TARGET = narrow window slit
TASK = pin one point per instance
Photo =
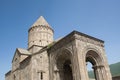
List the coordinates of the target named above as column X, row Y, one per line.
column 41, row 75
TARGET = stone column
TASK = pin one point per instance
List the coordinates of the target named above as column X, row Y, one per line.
column 80, row 68
column 103, row 72
column 58, row 72
column 99, row 74
column 56, row 75
column 96, row 72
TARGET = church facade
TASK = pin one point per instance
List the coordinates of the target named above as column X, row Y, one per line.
column 63, row 59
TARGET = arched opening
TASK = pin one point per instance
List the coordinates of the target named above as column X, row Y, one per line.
column 63, row 69
column 67, row 70
column 95, row 61
column 90, row 70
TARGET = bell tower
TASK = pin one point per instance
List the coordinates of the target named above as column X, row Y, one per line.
column 39, row 35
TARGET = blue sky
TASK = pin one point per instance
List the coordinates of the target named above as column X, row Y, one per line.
column 98, row 18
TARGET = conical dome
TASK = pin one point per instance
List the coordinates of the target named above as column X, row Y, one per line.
column 40, row 34
column 41, row 21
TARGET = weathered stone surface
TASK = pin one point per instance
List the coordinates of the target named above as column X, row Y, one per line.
column 64, row 59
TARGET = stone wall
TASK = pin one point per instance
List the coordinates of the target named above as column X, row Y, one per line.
column 25, row 69
column 40, row 66
column 81, row 47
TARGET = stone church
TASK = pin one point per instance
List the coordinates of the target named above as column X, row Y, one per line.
column 62, row 59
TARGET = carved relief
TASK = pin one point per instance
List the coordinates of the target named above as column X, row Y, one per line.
column 89, row 40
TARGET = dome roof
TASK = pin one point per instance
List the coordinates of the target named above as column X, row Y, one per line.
column 41, row 21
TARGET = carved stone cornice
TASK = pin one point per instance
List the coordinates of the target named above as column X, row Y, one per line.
column 90, row 39
column 76, row 35
column 41, row 26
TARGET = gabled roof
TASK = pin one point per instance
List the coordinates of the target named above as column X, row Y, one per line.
column 41, row 21
column 21, row 51
column 8, row 73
